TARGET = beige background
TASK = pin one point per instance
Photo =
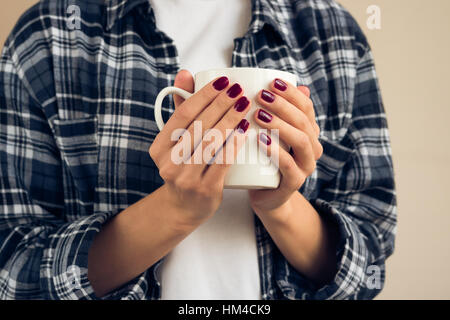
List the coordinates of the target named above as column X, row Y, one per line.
column 412, row 56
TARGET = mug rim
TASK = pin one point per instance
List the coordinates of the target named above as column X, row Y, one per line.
column 243, row 69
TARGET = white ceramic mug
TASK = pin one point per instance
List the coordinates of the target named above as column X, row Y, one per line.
column 252, row 169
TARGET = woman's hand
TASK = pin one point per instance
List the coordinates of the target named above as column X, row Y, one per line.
column 148, row 230
column 291, row 111
column 195, row 187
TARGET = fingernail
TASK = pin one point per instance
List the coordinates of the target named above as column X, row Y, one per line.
column 221, row 83
column 280, row 85
column 267, row 96
column 242, row 126
column 241, row 104
column 234, row 91
column 264, row 138
column 264, row 116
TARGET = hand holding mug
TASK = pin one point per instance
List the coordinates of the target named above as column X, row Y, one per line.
column 290, row 110
column 196, row 187
column 253, row 168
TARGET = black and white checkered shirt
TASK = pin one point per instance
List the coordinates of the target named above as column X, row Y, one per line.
column 76, row 124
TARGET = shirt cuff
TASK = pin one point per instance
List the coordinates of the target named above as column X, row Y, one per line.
column 352, row 257
column 64, row 264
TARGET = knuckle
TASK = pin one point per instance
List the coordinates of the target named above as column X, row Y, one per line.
column 302, row 122
column 222, row 102
column 319, row 151
column 311, row 168
column 209, row 149
column 232, row 120
column 167, row 173
column 208, row 92
column 297, row 182
column 317, row 128
column 309, row 105
column 153, row 151
column 302, row 140
column 287, row 166
column 217, row 188
column 205, row 192
column 183, row 113
column 222, row 99
column 187, row 185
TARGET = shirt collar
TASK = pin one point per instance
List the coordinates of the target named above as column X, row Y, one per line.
column 276, row 13
column 117, row 9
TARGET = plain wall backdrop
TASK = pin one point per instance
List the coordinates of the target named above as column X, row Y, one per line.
column 412, row 57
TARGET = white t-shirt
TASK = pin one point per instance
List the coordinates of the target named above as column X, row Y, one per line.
column 219, row 260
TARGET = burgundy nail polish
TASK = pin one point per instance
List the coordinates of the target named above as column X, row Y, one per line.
column 280, row 85
column 264, row 116
column 267, row 96
column 234, row 91
column 241, row 104
column 243, row 126
column 264, row 138
column 221, row 83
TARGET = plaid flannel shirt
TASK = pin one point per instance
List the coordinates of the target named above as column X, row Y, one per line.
column 76, row 124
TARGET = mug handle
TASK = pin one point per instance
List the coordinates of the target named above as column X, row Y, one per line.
column 159, row 99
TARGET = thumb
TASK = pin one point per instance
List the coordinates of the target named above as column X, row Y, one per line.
column 185, row 81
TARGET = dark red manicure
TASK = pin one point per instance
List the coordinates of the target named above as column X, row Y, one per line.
column 267, row 96
column 243, row 126
column 280, row 85
column 234, row 91
column 264, row 116
column 241, row 104
column 264, row 138
column 221, row 83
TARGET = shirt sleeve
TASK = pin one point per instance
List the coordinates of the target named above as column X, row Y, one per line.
column 42, row 255
column 360, row 200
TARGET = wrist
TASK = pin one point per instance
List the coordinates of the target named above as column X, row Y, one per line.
column 178, row 217
column 278, row 215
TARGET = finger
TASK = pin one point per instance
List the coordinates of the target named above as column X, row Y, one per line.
column 295, row 97
column 305, row 147
column 292, row 176
column 221, row 132
column 189, row 110
column 286, row 111
column 185, row 81
column 216, row 111
column 305, row 90
column 227, row 155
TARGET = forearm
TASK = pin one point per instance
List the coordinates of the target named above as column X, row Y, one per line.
column 303, row 237
column 133, row 241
